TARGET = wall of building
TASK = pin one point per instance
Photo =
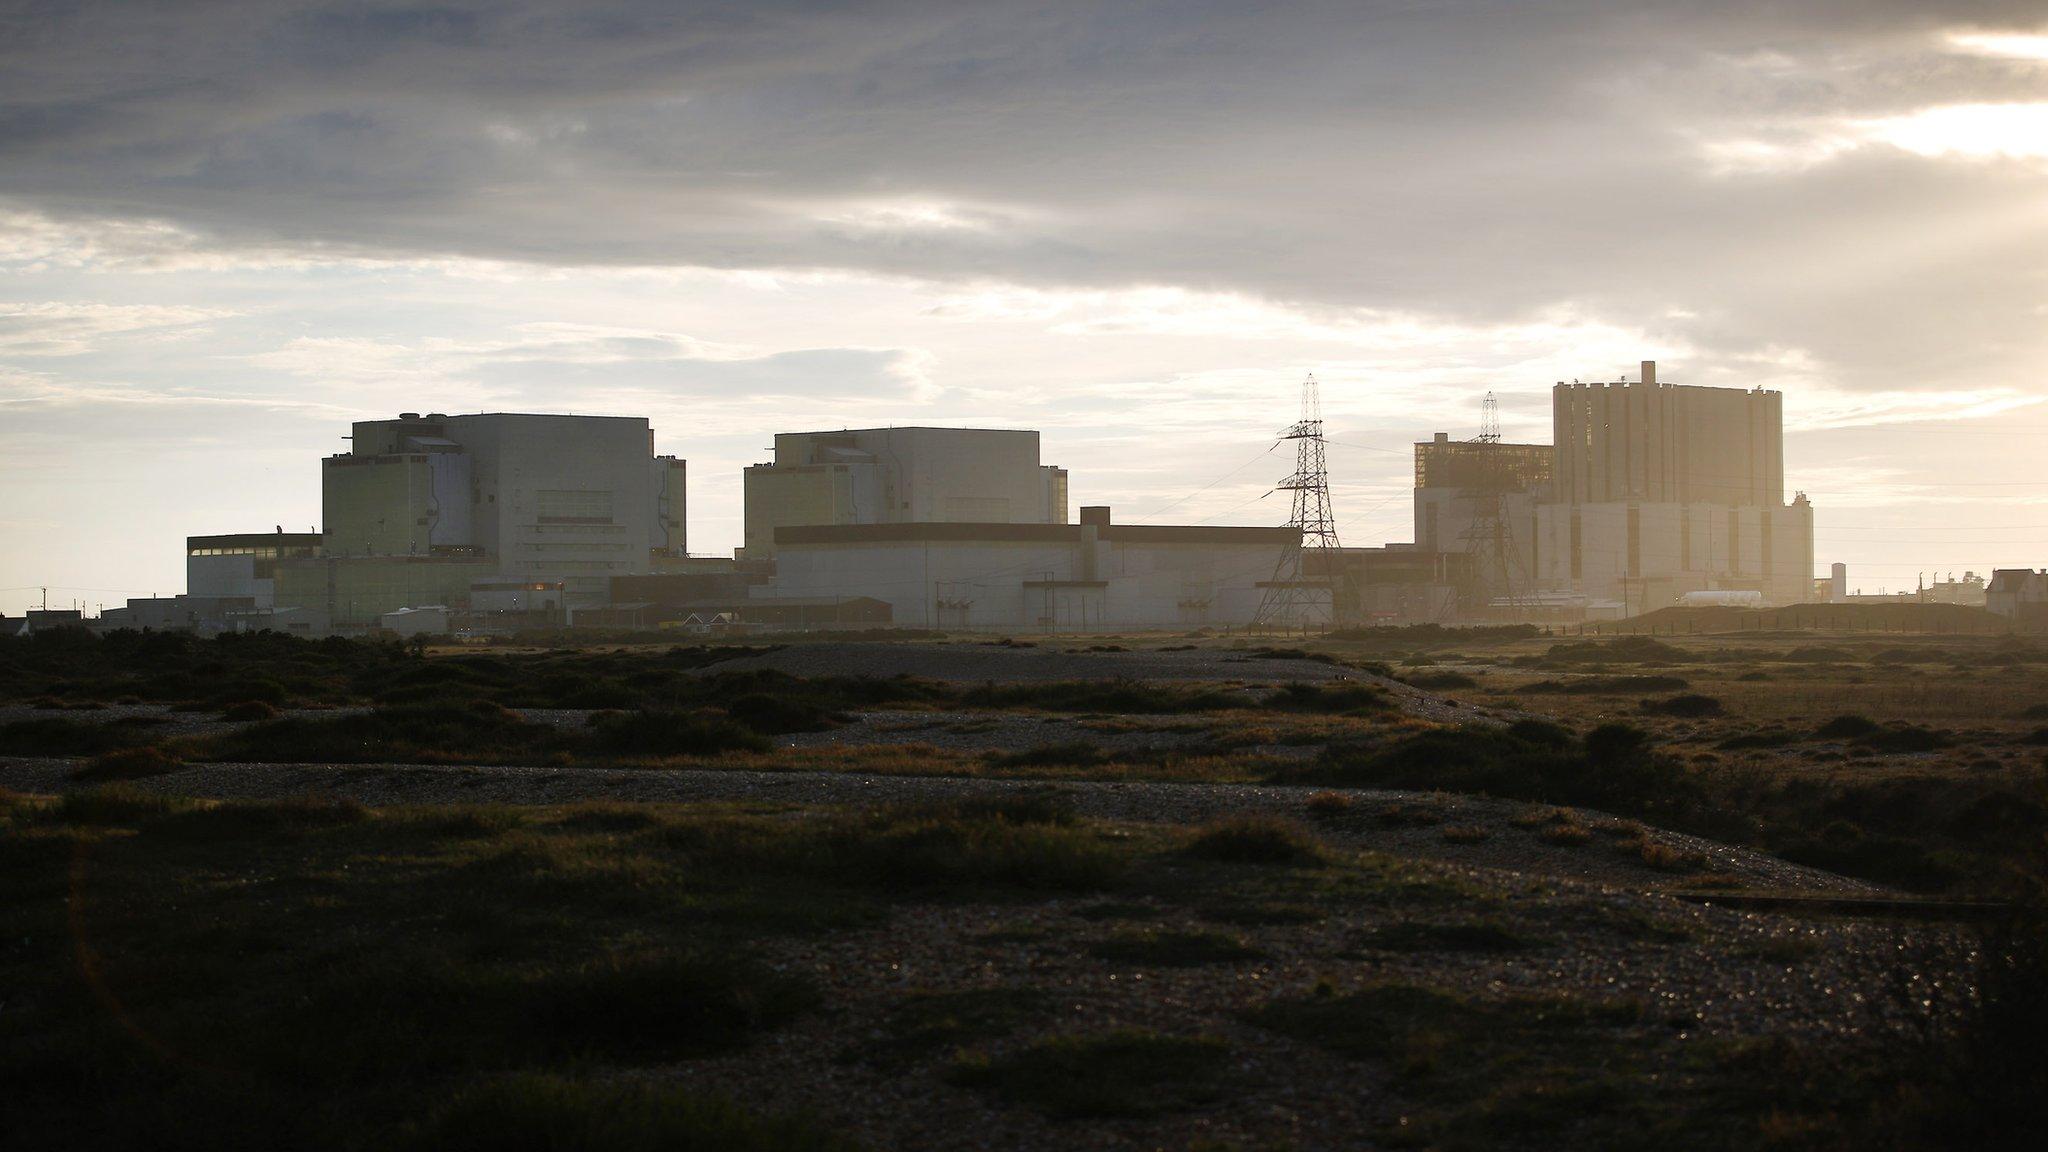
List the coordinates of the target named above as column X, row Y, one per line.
column 1648, row 555
column 577, row 499
column 345, row 594
column 377, row 505
column 244, row 564
column 1064, row 577
column 901, row 476
column 1661, row 443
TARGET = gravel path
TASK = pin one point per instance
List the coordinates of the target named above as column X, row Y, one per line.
column 1493, row 834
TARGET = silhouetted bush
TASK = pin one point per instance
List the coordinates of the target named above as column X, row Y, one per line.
column 1255, row 840
column 1340, row 698
column 1607, row 685
column 774, row 715
column 1847, row 728
column 1690, row 706
column 128, row 764
column 674, row 734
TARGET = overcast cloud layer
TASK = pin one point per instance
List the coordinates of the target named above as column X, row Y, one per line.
column 228, row 228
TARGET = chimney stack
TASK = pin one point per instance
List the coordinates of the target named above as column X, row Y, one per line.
column 1650, row 373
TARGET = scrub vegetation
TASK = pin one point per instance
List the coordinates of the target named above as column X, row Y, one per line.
column 314, row 972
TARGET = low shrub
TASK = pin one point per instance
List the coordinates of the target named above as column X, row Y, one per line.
column 1329, row 804
column 674, row 734
column 476, row 732
column 250, row 710
column 1690, row 706
column 1343, row 698
column 1434, row 680
column 776, row 715
column 1255, row 840
column 1529, row 760
column 128, row 764
column 1068, row 753
column 1131, row 696
column 661, row 1006
column 1847, row 728
column 62, row 736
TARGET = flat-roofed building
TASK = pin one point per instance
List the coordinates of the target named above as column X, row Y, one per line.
column 900, row 476
column 547, row 498
column 243, row 564
column 1659, row 490
column 1088, row 576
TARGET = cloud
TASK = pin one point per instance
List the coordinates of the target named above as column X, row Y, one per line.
column 68, row 329
column 1473, row 164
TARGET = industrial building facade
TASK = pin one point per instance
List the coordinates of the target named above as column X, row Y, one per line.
column 424, row 509
column 1660, row 490
column 1061, row 577
column 1649, row 493
column 900, row 476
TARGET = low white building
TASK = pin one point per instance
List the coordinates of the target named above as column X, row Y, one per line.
column 426, row 621
column 1090, row 576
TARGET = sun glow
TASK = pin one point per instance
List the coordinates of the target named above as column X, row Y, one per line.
column 1971, row 130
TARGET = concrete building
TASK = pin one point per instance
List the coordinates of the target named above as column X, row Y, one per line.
column 2018, row 594
column 899, row 476
column 243, row 564
column 1059, row 577
column 427, row 510
column 1659, row 490
column 1478, row 499
column 1667, row 444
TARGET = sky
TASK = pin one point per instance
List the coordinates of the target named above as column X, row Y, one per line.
column 229, row 228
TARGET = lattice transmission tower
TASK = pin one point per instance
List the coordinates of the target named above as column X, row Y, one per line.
column 1303, row 592
column 1490, row 539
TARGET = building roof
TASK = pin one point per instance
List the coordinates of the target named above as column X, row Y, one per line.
column 253, row 540
column 972, row 533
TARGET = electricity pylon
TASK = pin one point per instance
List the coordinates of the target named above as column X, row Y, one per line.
column 1490, row 539
column 1304, row 589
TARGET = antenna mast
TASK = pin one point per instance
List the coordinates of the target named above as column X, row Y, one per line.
column 1304, row 589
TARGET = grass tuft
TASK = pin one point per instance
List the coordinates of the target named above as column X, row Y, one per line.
column 1255, row 840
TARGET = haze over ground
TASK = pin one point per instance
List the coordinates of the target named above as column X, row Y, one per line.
column 228, row 229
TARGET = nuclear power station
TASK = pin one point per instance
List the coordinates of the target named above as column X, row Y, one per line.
column 1650, row 494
